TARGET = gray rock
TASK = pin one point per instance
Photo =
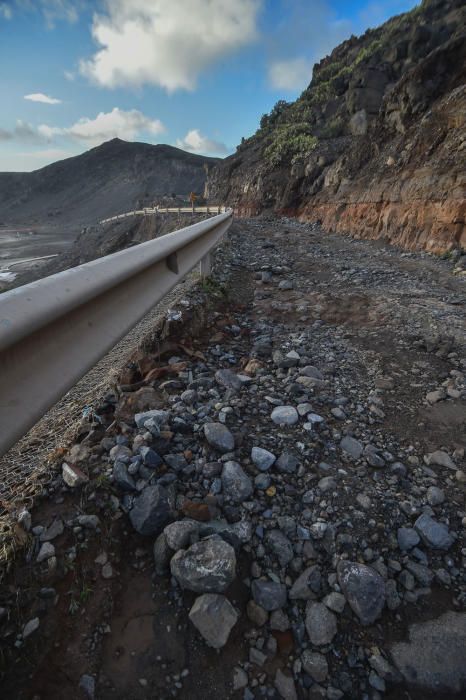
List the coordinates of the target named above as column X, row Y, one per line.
column 122, row 452
column 434, row 657
column 363, row 588
column 285, row 415
column 151, row 511
column 351, row 446
column 235, row 482
column 121, row 477
column 219, row 437
column 228, row 379
column 280, row 546
column 53, row 531
column 285, row 284
column 157, row 418
column 284, row 683
column 214, row 617
column 88, row 520
column 270, row 595
column 257, row 657
column 373, row 458
column 307, row 585
column 263, row 459
column 208, row 566
column 407, row 538
column 287, row 463
column 433, row 533
column 315, row 665
column 73, row 476
column 256, row 613
column 87, row 685
column 279, row 621
column 420, row 572
column 311, row 371
column 435, row 496
column 30, row 627
column 321, row 624
column 327, row 483
column 179, row 533
column 441, row 459
column 240, row 678
column 46, row 551
column 335, row 601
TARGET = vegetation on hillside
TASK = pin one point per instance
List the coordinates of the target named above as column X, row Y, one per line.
column 292, row 130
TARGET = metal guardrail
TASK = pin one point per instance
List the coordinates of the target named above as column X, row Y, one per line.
column 167, row 210
column 54, row 330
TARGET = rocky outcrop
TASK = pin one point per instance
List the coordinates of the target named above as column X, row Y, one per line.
column 375, row 145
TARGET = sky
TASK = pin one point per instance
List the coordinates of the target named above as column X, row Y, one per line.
column 197, row 74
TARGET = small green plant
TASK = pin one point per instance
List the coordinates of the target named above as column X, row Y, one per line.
column 78, row 598
column 213, row 288
column 333, row 128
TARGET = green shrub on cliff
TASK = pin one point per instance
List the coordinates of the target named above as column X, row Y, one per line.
column 287, row 142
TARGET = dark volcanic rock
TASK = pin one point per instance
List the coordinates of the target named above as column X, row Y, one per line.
column 151, row 511
column 363, row 588
column 208, row 566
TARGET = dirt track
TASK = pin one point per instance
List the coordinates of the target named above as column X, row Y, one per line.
column 384, row 330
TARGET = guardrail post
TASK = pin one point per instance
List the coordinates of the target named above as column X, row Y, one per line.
column 205, row 265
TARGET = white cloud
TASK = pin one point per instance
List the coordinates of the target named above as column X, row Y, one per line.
column 307, row 33
column 23, row 132
column 291, row 74
column 40, row 97
column 106, row 125
column 195, row 142
column 167, row 42
column 5, row 11
column 118, row 123
column 69, row 75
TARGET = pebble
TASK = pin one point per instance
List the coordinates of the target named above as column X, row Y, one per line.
column 285, row 415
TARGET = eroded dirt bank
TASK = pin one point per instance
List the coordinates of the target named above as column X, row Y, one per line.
column 302, row 463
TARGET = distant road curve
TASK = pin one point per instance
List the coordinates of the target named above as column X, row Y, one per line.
column 214, row 209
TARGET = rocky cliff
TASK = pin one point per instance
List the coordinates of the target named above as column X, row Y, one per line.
column 376, row 144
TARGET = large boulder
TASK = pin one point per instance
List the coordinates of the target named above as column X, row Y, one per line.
column 208, row 566
column 151, row 511
column 363, row 588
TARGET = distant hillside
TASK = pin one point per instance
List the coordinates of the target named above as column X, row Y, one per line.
column 114, row 177
column 376, row 144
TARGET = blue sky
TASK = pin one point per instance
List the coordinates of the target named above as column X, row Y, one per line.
column 193, row 73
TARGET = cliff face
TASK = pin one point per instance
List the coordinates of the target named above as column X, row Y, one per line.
column 376, row 145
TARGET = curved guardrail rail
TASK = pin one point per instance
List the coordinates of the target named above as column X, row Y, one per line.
column 54, row 330
column 167, row 210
